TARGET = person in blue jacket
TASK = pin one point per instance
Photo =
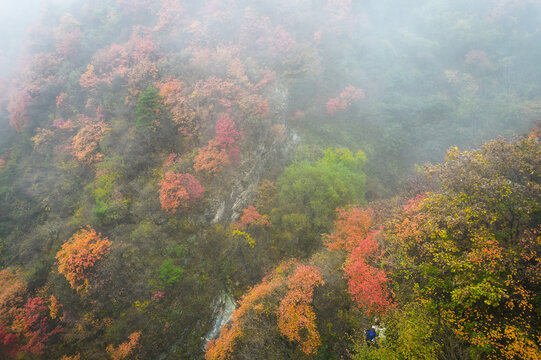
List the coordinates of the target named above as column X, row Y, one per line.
column 371, row 337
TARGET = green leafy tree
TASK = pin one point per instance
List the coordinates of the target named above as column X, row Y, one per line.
column 310, row 192
column 146, row 109
column 407, row 334
column 170, row 274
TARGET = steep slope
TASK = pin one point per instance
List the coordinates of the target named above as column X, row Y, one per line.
column 156, row 157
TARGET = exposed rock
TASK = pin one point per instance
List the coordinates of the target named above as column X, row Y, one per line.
column 268, row 155
column 223, row 310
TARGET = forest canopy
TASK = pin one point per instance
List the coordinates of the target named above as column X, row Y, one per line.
column 311, row 179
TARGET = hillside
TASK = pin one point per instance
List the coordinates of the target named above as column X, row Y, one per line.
column 267, row 180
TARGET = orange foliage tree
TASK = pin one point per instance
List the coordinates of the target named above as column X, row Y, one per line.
column 126, row 350
column 221, row 151
column 284, row 298
column 296, row 317
column 85, row 144
column 211, row 159
column 172, row 93
column 73, row 357
column 351, row 226
column 133, row 61
column 79, row 256
column 89, row 80
column 252, row 303
column 13, row 290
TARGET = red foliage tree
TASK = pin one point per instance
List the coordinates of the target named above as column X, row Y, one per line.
column 132, row 60
column 38, row 327
column 179, row 191
column 221, row 151
column 217, row 90
column 140, row 46
column 344, row 100
column 227, row 137
column 9, row 346
column 261, row 31
column 111, row 62
column 279, row 40
column 79, row 255
column 17, row 109
column 367, row 284
column 251, row 216
column 268, row 77
column 62, row 124
column 61, row 101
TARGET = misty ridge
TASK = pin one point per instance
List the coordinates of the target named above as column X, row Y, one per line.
column 309, row 179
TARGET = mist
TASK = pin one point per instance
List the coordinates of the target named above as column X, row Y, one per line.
column 271, row 179
column 16, row 19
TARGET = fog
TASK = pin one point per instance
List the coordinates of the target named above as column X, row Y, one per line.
column 201, row 145
column 16, row 19
column 405, row 55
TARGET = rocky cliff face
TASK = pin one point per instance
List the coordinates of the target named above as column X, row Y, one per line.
column 270, row 152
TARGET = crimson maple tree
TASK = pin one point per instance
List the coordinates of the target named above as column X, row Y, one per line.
column 367, row 283
column 38, row 327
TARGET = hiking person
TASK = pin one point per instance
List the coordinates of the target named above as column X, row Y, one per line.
column 371, row 337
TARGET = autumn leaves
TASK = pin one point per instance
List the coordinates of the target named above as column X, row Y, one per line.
column 79, row 255
column 284, row 299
